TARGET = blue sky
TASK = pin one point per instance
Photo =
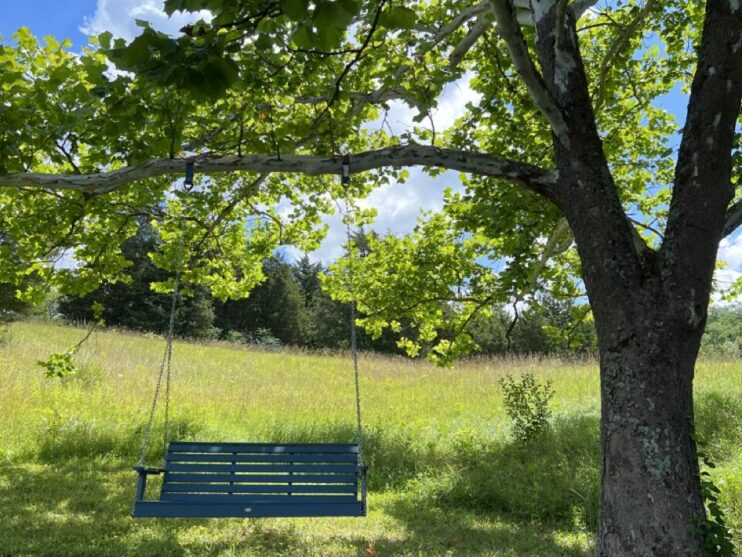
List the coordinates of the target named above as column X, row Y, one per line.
column 398, row 205
column 47, row 17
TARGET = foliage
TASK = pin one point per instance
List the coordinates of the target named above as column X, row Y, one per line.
column 263, row 337
column 723, row 335
column 132, row 303
column 60, row 364
column 249, row 73
column 527, row 403
column 716, row 535
column 279, row 78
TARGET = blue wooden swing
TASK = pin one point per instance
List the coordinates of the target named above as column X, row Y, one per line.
column 219, row 480
column 251, row 480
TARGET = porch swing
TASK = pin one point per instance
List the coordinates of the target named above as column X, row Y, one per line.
column 250, row 480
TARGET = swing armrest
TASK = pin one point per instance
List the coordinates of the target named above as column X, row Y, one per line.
column 362, row 475
column 148, row 470
column 142, row 473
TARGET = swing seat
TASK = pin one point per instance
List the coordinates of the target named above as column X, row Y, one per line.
column 244, row 480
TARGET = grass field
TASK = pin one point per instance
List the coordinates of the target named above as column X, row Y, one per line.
column 445, row 476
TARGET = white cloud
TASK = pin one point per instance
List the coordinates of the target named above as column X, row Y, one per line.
column 452, row 104
column 400, row 205
column 117, row 16
column 730, row 251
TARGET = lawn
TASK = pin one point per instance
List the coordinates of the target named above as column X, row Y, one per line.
column 445, row 476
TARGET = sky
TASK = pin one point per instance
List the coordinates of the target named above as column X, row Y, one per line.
column 398, row 205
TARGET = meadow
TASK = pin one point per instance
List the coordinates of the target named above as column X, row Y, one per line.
column 446, row 476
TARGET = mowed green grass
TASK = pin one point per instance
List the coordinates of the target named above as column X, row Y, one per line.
column 445, row 476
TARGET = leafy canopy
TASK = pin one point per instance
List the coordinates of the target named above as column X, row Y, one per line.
column 290, row 76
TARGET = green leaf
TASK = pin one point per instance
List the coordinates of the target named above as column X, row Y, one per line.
column 398, row 17
column 216, row 76
column 172, row 6
column 353, row 7
column 296, row 10
column 105, row 39
column 302, row 37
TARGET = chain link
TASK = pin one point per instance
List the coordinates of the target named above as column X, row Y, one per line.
column 354, row 342
column 165, row 364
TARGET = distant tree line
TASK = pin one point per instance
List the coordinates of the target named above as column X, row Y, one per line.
column 290, row 308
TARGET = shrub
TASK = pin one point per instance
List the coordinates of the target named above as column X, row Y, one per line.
column 233, row 336
column 527, row 405
column 263, row 337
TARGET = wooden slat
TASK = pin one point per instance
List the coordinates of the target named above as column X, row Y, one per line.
column 185, row 447
column 227, row 488
column 270, row 468
column 175, row 509
column 261, row 478
column 194, row 457
column 210, row 499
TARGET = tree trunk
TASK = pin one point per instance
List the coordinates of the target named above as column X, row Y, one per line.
column 649, row 305
column 650, row 488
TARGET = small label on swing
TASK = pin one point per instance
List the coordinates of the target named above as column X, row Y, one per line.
column 248, row 509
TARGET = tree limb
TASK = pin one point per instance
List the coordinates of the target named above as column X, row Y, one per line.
column 477, row 30
column 459, row 20
column 485, row 164
column 509, row 29
column 617, row 46
column 699, row 208
column 733, row 219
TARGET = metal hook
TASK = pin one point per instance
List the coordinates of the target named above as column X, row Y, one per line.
column 345, row 160
column 188, row 181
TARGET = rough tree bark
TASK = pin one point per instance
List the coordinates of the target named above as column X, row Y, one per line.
column 650, row 306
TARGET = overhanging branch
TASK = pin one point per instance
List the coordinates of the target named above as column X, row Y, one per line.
column 484, row 164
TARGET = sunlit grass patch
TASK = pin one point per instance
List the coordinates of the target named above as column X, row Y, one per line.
column 446, row 477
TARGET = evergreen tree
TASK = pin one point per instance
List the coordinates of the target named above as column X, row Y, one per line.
column 307, row 275
column 135, row 305
column 278, row 304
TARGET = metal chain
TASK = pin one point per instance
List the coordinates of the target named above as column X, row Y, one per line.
column 167, row 357
column 353, row 328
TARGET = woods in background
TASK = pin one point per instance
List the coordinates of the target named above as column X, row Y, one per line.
column 290, row 308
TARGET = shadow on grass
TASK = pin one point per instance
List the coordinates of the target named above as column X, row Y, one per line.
column 436, row 530
column 83, row 509
column 552, row 479
column 468, row 498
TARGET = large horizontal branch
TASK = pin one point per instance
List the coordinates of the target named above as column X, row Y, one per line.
column 483, row 164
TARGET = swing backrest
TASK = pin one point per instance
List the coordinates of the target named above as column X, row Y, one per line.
column 261, row 472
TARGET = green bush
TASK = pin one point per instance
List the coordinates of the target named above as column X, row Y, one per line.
column 527, row 404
